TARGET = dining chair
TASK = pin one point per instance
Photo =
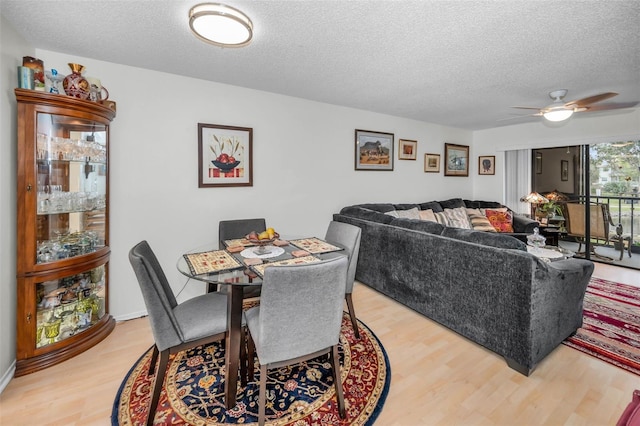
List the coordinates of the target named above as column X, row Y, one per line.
column 298, row 319
column 600, row 222
column 237, row 228
column 175, row 326
column 348, row 237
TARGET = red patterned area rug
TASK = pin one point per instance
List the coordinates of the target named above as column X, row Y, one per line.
column 296, row 396
column 611, row 324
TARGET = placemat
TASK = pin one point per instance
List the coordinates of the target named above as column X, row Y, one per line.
column 238, row 242
column 259, row 269
column 315, row 245
column 211, row 261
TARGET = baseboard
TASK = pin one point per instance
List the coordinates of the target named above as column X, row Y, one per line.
column 130, row 316
column 7, row 376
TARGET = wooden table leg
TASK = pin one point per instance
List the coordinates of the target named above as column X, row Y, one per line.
column 232, row 347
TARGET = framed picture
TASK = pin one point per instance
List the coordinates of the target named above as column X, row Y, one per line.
column 374, row 150
column 564, row 170
column 225, row 156
column 456, row 159
column 432, row 163
column 538, row 163
column 407, row 149
column 487, row 165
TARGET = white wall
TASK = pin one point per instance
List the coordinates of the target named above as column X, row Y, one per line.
column 581, row 129
column 12, row 49
column 303, row 166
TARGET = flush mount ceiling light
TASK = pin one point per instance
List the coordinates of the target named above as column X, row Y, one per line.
column 557, row 111
column 220, row 25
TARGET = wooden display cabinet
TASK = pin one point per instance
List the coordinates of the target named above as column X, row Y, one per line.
column 62, row 228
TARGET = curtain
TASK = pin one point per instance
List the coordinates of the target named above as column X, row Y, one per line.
column 517, row 179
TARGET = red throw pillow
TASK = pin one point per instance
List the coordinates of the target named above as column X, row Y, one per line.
column 501, row 221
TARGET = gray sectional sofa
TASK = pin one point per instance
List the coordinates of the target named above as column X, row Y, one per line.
column 484, row 286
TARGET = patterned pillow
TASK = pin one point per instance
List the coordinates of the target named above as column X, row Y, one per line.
column 409, row 214
column 501, row 221
column 479, row 221
column 441, row 218
column 427, row 215
column 458, row 218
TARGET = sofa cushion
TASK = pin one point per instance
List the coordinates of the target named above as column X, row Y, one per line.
column 418, row 225
column 485, row 238
column 441, row 218
column 379, row 207
column 458, row 218
column 473, row 204
column 479, row 221
column 431, row 205
column 366, row 214
column 501, row 221
column 427, row 215
column 409, row 213
column 406, row 206
column 452, row 203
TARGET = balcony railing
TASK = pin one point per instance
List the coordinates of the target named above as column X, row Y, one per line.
column 624, row 210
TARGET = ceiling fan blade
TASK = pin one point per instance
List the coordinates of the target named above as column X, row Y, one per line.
column 585, row 102
column 612, row 105
column 526, row 107
column 519, row 116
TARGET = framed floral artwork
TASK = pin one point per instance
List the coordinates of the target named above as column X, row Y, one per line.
column 225, row 156
column 456, row 159
column 407, row 149
column 432, row 163
column 374, row 150
column 487, row 165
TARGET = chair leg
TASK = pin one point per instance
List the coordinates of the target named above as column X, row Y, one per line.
column 157, row 386
column 154, row 359
column 262, row 397
column 335, row 366
column 243, row 356
column 251, row 356
column 352, row 314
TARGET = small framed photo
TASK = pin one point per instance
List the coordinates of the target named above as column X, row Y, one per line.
column 407, row 149
column 432, row 163
column 374, row 150
column 225, row 156
column 564, row 170
column 487, row 165
column 456, row 159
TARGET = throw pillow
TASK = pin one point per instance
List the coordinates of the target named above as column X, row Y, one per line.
column 441, row 218
column 409, row 214
column 392, row 213
column 497, row 209
column 458, row 218
column 501, row 221
column 427, row 215
column 479, row 221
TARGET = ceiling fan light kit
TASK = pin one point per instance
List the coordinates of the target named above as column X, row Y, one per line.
column 220, row 25
column 560, row 111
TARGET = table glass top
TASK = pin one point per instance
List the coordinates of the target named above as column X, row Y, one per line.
column 245, row 265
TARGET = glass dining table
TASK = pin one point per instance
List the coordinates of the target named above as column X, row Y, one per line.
column 241, row 264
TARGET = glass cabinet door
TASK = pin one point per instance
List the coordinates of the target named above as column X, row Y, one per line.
column 71, row 158
column 69, row 305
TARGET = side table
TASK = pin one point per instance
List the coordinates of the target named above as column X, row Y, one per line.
column 552, row 233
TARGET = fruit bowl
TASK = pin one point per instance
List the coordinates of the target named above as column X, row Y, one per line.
column 225, row 167
column 261, row 243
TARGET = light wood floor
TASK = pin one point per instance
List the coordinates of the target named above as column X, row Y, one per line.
column 438, row 377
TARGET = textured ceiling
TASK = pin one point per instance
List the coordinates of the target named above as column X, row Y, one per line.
column 455, row 63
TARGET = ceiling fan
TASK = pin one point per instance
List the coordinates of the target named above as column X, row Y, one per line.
column 559, row 110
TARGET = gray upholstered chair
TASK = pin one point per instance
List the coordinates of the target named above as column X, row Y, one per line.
column 298, row 319
column 347, row 236
column 175, row 327
column 238, row 228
